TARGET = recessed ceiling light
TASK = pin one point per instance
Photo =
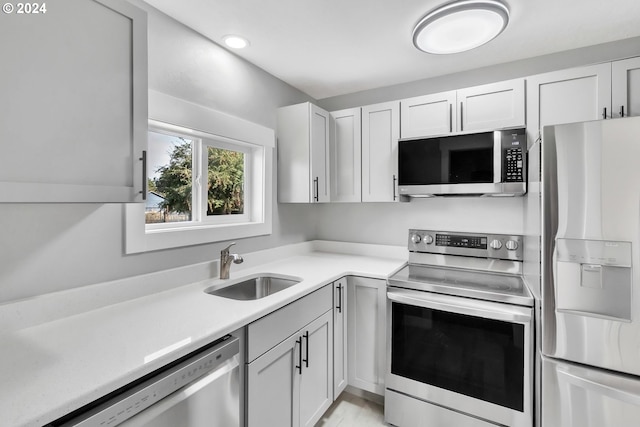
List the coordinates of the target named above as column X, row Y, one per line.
column 460, row 26
column 235, row 42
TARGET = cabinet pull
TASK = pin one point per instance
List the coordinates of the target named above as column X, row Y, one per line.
column 339, row 307
column 306, row 359
column 622, row 111
column 461, row 117
column 299, row 365
column 143, row 159
column 316, row 189
column 604, row 113
column 394, row 187
column 450, row 117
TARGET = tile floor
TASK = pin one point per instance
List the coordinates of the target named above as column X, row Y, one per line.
column 352, row 411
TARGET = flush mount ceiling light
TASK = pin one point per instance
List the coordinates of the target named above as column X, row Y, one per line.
column 235, row 42
column 460, row 26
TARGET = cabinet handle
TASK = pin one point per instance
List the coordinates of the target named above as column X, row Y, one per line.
column 306, row 359
column 604, row 113
column 299, row 365
column 143, row 159
column 316, row 189
column 461, row 117
column 622, row 111
column 339, row 307
column 450, row 117
column 394, row 187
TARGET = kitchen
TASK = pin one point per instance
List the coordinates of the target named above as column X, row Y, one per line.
column 61, row 247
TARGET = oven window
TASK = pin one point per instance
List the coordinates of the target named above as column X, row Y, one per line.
column 477, row 357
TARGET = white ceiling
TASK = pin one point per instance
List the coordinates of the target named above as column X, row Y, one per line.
column 333, row 47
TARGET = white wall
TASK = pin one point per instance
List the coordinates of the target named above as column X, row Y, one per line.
column 46, row 248
column 388, row 223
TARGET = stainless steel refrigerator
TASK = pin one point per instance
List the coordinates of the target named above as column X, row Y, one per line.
column 591, row 274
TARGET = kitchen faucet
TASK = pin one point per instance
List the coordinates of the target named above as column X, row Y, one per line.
column 225, row 261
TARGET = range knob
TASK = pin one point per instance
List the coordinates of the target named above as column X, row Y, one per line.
column 427, row 239
column 512, row 245
column 495, row 244
column 415, row 238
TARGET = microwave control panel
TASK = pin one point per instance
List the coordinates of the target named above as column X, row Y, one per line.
column 513, row 148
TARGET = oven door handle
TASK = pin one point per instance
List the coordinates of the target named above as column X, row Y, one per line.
column 465, row 306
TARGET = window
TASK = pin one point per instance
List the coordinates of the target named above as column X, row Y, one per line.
column 195, row 180
column 203, row 185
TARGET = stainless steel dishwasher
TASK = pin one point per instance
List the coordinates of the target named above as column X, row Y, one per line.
column 201, row 389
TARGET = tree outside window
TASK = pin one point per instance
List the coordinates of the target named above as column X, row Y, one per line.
column 172, row 194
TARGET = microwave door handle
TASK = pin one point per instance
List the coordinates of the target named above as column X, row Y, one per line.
column 497, row 157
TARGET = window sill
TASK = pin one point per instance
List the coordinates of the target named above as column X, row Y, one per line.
column 138, row 239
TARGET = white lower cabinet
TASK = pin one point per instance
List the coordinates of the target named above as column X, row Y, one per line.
column 273, row 396
column 366, row 318
column 316, row 374
column 340, row 342
column 291, row 384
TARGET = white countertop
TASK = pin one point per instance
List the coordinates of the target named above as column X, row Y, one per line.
column 52, row 368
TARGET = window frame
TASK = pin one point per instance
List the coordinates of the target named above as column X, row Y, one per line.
column 198, row 122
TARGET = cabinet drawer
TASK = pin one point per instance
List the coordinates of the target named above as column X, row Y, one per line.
column 265, row 333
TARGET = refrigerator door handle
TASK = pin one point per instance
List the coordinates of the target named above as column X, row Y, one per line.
column 632, row 398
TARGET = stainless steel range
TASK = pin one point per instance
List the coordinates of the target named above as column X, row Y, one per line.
column 460, row 333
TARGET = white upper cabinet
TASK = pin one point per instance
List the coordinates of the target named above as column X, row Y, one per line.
column 303, row 154
column 346, row 154
column 625, row 97
column 487, row 107
column 567, row 96
column 492, row 106
column 380, row 134
column 428, row 115
column 73, row 121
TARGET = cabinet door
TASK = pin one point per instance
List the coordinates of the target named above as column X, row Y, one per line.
column 380, row 133
column 273, row 390
column 320, row 175
column 345, row 149
column 428, row 115
column 303, row 154
column 316, row 380
column 73, row 121
column 492, row 106
column 567, row 96
column 340, row 375
column 625, row 76
column 366, row 317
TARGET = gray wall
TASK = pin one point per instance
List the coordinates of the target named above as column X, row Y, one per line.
column 511, row 70
column 387, row 223
column 45, row 248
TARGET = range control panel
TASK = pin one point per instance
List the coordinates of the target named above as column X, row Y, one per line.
column 499, row 246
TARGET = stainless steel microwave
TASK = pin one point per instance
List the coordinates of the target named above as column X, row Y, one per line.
column 480, row 164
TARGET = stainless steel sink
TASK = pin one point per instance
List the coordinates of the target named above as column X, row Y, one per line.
column 253, row 287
